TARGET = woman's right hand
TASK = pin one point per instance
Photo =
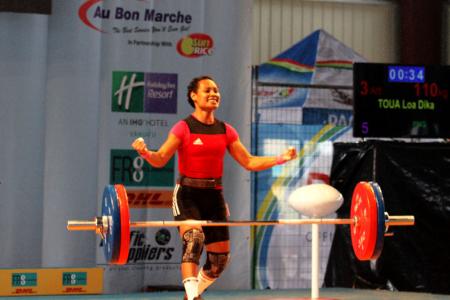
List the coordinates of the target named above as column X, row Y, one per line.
column 139, row 145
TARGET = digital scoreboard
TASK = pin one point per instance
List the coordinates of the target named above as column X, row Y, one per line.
column 401, row 101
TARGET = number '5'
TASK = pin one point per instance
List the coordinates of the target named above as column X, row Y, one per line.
column 365, row 127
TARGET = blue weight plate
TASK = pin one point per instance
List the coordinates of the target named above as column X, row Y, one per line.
column 111, row 209
column 380, row 221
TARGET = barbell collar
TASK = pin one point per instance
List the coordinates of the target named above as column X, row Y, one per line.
column 83, row 225
column 399, row 220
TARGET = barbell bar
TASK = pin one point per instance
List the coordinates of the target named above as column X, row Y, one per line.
column 368, row 221
column 80, row 225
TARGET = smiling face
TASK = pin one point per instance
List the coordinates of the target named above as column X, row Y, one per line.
column 207, row 96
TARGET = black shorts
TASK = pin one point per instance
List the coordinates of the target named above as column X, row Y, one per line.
column 202, row 204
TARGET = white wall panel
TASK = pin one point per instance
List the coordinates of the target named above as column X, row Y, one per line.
column 369, row 27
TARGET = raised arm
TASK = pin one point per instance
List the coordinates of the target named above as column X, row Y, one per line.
column 158, row 158
column 258, row 163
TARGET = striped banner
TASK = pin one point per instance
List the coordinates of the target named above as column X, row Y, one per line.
column 268, row 208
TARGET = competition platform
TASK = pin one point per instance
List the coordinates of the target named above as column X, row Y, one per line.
column 325, row 294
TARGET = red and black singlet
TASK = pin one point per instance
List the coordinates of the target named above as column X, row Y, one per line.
column 203, row 146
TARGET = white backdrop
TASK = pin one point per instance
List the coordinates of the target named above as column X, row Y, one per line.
column 58, row 126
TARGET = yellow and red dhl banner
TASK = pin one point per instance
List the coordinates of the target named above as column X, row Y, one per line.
column 145, row 198
column 58, row 281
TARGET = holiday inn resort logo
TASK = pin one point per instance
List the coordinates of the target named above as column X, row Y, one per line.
column 144, row 92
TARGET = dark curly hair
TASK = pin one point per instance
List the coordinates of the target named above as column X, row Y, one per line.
column 193, row 86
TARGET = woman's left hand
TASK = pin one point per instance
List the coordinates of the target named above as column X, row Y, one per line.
column 289, row 154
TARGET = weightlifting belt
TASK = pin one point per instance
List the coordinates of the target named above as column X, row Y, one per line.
column 203, row 183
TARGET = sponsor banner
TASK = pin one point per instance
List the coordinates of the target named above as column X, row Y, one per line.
column 142, row 104
column 168, row 28
column 154, row 260
column 26, row 6
column 152, row 50
column 147, row 187
column 154, row 246
column 61, row 281
column 130, row 169
column 149, row 198
column 129, row 65
column 144, row 92
column 107, row 17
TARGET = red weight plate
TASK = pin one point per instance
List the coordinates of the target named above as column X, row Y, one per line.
column 124, row 224
column 364, row 211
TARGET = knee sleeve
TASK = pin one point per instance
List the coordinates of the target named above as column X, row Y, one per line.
column 215, row 264
column 192, row 245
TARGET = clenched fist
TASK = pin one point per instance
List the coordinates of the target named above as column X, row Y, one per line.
column 290, row 154
column 139, row 145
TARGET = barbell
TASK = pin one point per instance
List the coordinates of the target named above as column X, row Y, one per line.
column 368, row 221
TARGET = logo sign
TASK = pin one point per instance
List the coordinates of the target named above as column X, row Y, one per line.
column 93, row 13
column 162, row 237
column 24, row 279
column 51, row 281
column 195, row 45
column 144, row 92
column 142, row 250
column 130, row 169
column 74, row 278
column 150, row 198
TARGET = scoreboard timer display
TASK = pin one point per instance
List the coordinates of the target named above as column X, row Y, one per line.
column 401, row 101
